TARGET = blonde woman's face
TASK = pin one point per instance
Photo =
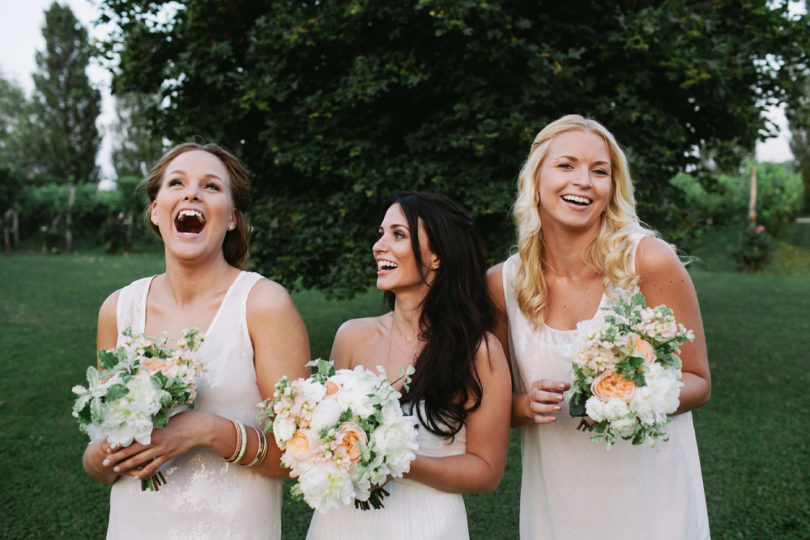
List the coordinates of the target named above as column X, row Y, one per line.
column 574, row 181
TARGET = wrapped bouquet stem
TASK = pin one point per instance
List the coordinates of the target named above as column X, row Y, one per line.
column 342, row 434
column 136, row 388
column 626, row 374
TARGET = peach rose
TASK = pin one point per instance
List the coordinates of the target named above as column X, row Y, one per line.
column 331, row 388
column 348, row 437
column 640, row 347
column 156, row 364
column 612, row 385
column 302, row 444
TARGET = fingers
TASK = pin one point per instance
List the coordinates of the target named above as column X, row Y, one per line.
column 546, row 397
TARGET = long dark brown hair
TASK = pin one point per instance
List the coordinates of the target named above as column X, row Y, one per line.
column 456, row 312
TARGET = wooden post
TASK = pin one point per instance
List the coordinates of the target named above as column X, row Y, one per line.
column 68, row 224
column 752, row 200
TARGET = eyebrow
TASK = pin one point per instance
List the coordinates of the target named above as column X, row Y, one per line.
column 574, row 158
column 395, row 225
column 184, row 173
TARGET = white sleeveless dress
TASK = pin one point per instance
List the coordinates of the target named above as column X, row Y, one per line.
column 571, row 488
column 204, row 496
column 412, row 511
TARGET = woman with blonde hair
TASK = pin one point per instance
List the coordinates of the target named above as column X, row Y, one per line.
column 223, row 474
column 578, row 238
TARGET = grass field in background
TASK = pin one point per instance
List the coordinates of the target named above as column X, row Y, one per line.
column 753, row 437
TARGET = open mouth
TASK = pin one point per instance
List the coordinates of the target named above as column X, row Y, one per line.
column 189, row 222
column 385, row 266
column 576, row 199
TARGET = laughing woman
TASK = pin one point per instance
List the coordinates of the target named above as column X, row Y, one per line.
column 253, row 336
column 579, row 237
column 430, row 265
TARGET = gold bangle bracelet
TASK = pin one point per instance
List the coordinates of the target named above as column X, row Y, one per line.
column 261, row 451
column 238, row 443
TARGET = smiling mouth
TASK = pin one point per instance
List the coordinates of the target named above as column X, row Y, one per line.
column 575, row 199
column 385, row 266
column 189, row 222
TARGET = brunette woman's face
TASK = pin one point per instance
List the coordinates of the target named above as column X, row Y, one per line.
column 194, row 208
column 574, row 181
column 397, row 268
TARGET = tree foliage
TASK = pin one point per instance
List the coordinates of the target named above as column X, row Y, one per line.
column 66, row 106
column 334, row 105
column 798, row 115
column 137, row 146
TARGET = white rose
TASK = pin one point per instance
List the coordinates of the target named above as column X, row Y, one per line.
column 325, row 415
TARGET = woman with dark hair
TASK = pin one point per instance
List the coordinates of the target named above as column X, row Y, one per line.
column 222, row 473
column 430, row 264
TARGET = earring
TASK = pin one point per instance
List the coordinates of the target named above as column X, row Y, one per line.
column 231, row 227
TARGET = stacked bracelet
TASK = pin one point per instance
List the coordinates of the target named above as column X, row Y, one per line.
column 241, row 442
column 261, row 452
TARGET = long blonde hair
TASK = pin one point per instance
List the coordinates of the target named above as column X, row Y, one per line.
column 610, row 253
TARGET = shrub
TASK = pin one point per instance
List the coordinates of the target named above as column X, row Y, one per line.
column 755, row 248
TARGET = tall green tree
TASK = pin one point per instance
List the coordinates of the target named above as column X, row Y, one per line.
column 66, row 105
column 137, row 146
column 798, row 115
column 14, row 109
column 336, row 104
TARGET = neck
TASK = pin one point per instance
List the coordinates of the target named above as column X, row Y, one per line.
column 188, row 281
column 565, row 249
column 406, row 315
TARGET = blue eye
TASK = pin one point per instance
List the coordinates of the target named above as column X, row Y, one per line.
column 174, row 182
column 213, row 186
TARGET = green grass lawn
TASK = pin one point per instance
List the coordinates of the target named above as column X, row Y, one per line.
column 753, row 435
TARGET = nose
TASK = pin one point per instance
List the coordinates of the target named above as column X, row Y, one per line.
column 583, row 177
column 192, row 192
column 379, row 245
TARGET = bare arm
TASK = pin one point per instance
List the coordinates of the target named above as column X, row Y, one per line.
column 280, row 347
column 664, row 280
column 481, row 467
column 540, row 404
column 106, row 338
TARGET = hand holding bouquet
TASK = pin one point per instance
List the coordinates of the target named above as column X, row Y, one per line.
column 341, row 433
column 626, row 375
column 136, row 388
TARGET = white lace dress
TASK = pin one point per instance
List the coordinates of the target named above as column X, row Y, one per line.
column 204, row 497
column 412, row 511
column 572, row 488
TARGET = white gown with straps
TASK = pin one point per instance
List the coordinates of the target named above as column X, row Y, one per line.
column 412, row 510
column 572, row 488
column 204, row 496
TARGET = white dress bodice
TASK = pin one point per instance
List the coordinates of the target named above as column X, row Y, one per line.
column 412, row 510
column 204, row 497
column 572, row 488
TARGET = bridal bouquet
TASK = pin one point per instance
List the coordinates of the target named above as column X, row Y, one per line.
column 342, row 433
column 136, row 388
column 626, row 373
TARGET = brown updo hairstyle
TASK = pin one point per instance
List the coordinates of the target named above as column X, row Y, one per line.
column 235, row 245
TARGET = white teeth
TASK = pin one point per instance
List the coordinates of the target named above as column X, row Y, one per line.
column 576, row 199
column 386, row 265
column 193, row 213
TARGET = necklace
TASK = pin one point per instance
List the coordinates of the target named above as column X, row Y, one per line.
column 411, row 353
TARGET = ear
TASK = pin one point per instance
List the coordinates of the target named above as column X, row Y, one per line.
column 233, row 221
column 434, row 262
column 153, row 217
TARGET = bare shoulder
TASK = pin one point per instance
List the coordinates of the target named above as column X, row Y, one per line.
column 654, row 257
column 107, row 330
column 361, row 329
column 268, row 297
column 495, row 285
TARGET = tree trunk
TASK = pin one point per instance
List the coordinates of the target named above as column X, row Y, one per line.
column 68, row 232
column 752, row 200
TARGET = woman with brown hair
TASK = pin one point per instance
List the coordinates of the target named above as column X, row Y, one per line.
column 223, row 474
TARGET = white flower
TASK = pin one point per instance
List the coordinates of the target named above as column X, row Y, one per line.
column 283, row 428
column 610, row 410
column 326, row 487
column 325, row 415
column 660, row 397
